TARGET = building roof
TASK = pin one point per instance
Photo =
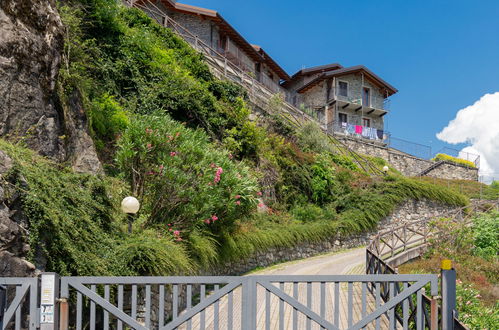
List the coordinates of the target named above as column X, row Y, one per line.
column 349, row 70
column 317, row 69
column 258, row 55
column 313, row 70
column 271, row 63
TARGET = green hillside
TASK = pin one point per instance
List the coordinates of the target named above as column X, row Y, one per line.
column 181, row 141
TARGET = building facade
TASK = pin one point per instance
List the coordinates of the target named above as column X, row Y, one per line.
column 350, row 101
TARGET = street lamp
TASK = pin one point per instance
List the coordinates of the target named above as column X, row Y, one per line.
column 130, row 205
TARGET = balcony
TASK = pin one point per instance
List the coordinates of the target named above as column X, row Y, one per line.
column 376, row 105
column 358, row 132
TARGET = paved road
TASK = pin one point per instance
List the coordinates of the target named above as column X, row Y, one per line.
column 345, row 262
column 337, row 263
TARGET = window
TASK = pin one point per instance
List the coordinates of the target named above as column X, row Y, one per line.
column 343, row 117
column 366, row 97
column 342, row 88
column 366, row 122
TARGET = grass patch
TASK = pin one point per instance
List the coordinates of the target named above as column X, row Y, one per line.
column 455, row 160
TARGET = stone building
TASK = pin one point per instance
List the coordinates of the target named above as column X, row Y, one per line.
column 349, row 102
column 215, row 32
column 347, row 99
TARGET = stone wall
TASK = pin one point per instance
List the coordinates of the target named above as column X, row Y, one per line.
column 355, row 85
column 411, row 210
column 453, row 171
column 410, row 165
column 414, row 210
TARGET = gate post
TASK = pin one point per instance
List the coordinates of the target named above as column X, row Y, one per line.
column 49, row 293
column 3, row 303
column 448, row 294
column 248, row 321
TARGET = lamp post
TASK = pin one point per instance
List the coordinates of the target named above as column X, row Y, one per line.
column 130, row 205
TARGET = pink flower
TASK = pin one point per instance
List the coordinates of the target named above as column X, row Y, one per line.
column 151, row 173
column 238, row 202
column 261, row 205
column 468, row 302
column 176, row 233
column 207, row 221
column 478, row 295
column 179, row 239
column 214, row 218
column 237, row 196
column 149, row 131
column 230, row 156
column 212, row 165
column 259, row 193
column 218, row 174
column 173, row 153
column 170, row 137
column 149, row 146
column 169, row 225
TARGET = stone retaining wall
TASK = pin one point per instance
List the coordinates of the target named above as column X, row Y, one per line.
column 411, row 210
column 410, row 165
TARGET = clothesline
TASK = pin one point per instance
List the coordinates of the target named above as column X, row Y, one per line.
column 364, row 131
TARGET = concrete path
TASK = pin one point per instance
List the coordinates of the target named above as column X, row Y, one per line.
column 338, row 263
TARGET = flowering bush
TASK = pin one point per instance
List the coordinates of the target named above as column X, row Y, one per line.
column 182, row 179
column 471, row 310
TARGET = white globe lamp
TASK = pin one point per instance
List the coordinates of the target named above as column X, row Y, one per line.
column 130, row 206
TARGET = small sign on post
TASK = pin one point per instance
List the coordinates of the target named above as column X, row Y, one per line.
column 48, row 301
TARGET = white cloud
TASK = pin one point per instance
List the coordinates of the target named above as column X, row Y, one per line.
column 478, row 125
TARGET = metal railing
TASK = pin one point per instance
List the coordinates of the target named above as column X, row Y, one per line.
column 412, row 148
column 474, row 158
column 375, row 101
column 349, row 129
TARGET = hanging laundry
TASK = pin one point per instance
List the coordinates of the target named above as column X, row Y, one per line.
column 351, row 129
column 358, row 129
column 365, row 131
column 343, row 125
column 372, row 134
column 379, row 133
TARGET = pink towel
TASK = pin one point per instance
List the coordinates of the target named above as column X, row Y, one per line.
column 358, row 129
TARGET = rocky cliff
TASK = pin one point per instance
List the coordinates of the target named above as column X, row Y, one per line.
column 31, row 44
column 13, row 228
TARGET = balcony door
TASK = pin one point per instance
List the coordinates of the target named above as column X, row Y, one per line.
column 366, row 97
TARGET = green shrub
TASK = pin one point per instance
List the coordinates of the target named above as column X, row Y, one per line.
column 148, row 254
column 323, row 184
column 472, row 312
column 486, row 235
column 311, row 138
column 181, row 178
column 455, row 160
column 73, row 218
column 107, row 117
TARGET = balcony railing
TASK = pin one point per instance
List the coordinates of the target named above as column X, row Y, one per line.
column 358, row 131
column 375, row 101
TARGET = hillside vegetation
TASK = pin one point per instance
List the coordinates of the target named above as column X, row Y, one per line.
column 214, row 185
column 474, row 251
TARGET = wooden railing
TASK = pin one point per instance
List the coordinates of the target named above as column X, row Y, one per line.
column 259, row 94
column 391, row 248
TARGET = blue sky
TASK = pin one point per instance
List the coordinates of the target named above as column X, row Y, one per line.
column 441, row 55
